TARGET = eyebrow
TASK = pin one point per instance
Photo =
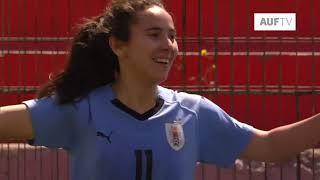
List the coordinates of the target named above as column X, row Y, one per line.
column 159, row 29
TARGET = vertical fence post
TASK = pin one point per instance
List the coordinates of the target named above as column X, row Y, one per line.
column 298, row 158
column 232, row 69
column 184, row 28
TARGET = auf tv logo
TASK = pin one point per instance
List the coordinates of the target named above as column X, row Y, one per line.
column 274, row 21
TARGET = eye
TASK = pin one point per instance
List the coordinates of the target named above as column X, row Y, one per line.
column 154, row 35
column 172, row 37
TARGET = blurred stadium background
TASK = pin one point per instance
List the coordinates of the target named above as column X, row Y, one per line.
column 265, row 79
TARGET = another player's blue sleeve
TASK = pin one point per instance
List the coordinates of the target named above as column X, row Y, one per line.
column 221, row 137
column 52, row 123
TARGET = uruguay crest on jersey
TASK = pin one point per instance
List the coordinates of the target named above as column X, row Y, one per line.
column 175, row 135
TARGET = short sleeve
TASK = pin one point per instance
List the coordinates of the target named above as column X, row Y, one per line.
column 52, row 123
column 222, row 138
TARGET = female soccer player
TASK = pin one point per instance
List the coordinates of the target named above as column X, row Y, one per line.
column 109, row 112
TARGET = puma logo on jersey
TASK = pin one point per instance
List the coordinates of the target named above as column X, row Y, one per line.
column 108, row 137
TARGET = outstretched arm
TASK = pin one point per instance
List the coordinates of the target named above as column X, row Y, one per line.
column 15, row 123
column 283, row 142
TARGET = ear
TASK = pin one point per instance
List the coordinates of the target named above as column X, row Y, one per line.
column 117, row 46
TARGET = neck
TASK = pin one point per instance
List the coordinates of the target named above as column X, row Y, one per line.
column 137, row 95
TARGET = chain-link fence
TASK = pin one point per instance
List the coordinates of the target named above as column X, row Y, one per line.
column 262, row 78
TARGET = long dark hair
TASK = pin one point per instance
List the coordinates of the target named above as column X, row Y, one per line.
column 91, row 61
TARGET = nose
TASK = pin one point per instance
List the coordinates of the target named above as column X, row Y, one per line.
column 167, row 43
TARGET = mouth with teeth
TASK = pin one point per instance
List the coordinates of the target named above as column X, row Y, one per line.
column 162, row 60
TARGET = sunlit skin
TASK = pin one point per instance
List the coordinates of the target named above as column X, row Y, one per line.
column 152, row 37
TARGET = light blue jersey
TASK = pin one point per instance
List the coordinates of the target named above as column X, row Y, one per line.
column 108, row 141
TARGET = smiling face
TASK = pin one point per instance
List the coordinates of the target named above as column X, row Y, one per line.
column 152, row 47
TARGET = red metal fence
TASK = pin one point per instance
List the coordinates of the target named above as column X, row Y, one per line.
column 265, row 79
